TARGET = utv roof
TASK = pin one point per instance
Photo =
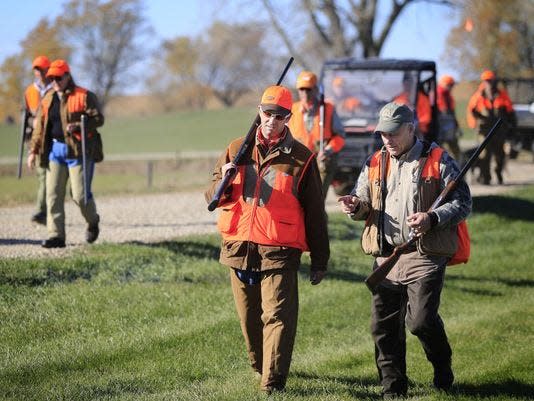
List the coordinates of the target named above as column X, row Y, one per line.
column 351, row 63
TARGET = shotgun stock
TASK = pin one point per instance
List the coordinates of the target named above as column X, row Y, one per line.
column 24, row 122
column 380, row 273
column 249, row 140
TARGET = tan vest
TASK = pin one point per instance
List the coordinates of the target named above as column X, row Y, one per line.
column 438, row 241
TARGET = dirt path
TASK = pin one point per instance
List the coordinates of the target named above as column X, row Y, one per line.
column 152, row 218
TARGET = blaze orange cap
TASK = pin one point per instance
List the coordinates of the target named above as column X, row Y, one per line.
column 41, row 62
column 277, row 99
column 306, row 79
column 487, row 75
column 446, row 80
column 58, row 68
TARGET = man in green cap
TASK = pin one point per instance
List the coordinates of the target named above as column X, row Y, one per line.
column 396, row 187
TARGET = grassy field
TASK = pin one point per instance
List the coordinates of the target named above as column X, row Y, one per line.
column 157, row 321
column 209, row 130
column 173, row 132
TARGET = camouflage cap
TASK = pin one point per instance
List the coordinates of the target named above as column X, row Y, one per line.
column 392, row 116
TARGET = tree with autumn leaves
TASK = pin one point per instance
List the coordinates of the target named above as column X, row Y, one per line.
column 493, row 34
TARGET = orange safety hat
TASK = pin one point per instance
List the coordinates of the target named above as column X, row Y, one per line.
column 338, row 81
column 306, row 79
column 277, row 99
column 446, row 80
column 58, row 68
column 487, row 75
column 41, row 62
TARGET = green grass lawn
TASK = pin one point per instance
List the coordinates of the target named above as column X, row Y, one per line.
column 173, row 132
column 157, row 321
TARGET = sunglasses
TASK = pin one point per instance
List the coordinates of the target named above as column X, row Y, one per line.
column 57, row 79
column 305, row 89
column 268, row 114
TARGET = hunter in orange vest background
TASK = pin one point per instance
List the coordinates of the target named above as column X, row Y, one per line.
column 56, row 143
column 395, row 190
column 307, row 123
column 449, row 129
column 32, row 101
column 345, row 104
column 486, row 106
column 422, row 108
column 271, row 213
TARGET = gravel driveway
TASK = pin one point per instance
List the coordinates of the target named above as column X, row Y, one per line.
column 152, row 218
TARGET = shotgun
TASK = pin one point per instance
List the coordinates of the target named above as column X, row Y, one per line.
column 321, row 125
column 380, row 273
column 84, row 158
column 249, row 140
column 24, row 125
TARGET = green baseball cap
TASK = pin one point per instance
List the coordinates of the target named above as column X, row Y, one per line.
column 392, row 116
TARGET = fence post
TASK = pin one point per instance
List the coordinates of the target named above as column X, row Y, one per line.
column 149, row 173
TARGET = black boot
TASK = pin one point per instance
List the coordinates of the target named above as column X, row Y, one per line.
column 443, row 377
column 54, row 242
column 92, row 233
column 39, row 218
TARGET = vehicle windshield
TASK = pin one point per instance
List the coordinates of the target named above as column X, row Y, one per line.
column 360, row 94
column 521, row 92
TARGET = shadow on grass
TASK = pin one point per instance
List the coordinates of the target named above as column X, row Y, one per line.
column 504, row 206
column 509, row 388
column 515, row 283
column 196, row 250
column 47, row 276
column 334, row 274
column 356, row 386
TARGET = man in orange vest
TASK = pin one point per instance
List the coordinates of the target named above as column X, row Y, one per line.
column 395, row 190
column 56, row 140
column 271, row 213
column 32, row 100
column 423, row 109
column 486, row 106
column 305, row 125
column 448, row 124
column 346, row 105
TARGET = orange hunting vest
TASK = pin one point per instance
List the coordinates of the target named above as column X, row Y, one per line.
column 436, row 241
column 264, row 208
column 480, row 102
column 32, row 97
column 311, row 139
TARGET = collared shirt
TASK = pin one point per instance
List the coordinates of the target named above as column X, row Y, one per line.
column 42, row 88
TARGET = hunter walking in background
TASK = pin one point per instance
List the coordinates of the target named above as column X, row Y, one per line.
column 486, row 106
column 395, row 189
column 57, row 141
column 33, row 95
column 271, row 213
column 449, row 129
column 315, row 123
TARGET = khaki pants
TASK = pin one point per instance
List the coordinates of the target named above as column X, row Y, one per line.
column 268, row 314
column 56, row 184
column 40, row 206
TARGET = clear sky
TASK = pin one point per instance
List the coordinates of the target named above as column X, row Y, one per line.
column 420, row 32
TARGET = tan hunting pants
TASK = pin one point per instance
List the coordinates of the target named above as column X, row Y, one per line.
column 268, row 314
